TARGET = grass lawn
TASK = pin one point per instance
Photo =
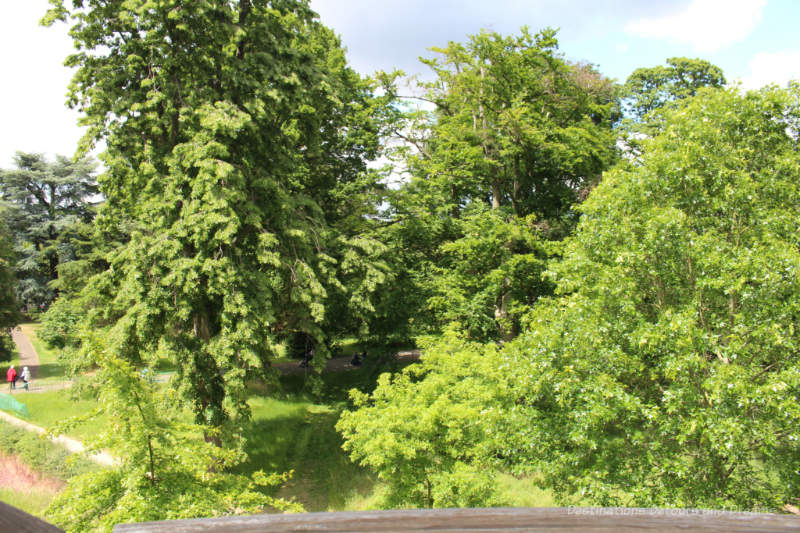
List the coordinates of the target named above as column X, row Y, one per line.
column 33, row 501
column 48, row 409
column 292, row 428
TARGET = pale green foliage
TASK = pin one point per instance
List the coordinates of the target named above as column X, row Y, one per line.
column 425, row 431
column 667, row 374
column 166, row 470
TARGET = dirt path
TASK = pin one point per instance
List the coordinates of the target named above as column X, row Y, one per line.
column 27, row 353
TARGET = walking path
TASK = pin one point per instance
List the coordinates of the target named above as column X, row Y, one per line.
column 27, row 353
column 29, row 357
column 74, row 446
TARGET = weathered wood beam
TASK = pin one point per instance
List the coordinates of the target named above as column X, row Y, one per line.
column 12, row 520
column 563, row 520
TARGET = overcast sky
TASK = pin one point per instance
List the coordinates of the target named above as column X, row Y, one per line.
column 755, row 41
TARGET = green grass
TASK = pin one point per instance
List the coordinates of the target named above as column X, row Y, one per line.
column 522, row 492
column 300, row 436
column 292, row 428
column 51, row 408
column 33, row 501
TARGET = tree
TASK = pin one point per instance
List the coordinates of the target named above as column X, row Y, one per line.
column 648, row 89
column 667, row 372
column 163, row 471
column 91, row 244
column 9, row 308
column 431, row 452
column 517, row 133
column 237, row 139
column 44, row 200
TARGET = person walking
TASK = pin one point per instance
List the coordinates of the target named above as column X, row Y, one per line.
column 11, row 375
column 26, row 376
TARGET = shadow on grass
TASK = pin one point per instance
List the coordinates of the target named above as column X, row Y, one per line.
column 49, row 370
column 334, row 387
column 307, row 442
column 293, row 428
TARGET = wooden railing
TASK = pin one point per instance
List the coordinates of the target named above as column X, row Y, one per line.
column 12, row 520
column 563, row 520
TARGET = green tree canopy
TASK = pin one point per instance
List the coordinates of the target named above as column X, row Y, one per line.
column 237, row 139
column 667, row 373
column 516, row 134
column 9, row 307
column 44, row 199
column 650, row 88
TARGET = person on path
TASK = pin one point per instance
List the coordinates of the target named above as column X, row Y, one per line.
column 11, row 375
column 26, row 376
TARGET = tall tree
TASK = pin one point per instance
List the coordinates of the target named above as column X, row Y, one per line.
column 668, row 374
column 9, row 307
column 667, row 370
column 237, row 139
column 516, row 134
column 44, row 199
column 651, row 88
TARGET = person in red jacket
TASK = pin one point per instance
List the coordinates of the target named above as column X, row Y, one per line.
column 12, row 378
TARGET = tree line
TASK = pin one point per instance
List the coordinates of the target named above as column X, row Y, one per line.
column 603, row 276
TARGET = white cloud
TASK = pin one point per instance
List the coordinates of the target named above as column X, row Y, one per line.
column 706, row 25
column 772, row 67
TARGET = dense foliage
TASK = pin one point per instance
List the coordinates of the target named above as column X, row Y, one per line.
column 517, row 133
column 627, row 336
column 237, row 146
column 669, row 371
column 665, row 373
column 165, row 470
column 649, row 89
column 44, row 200
column 9, row 307
column 425, row 430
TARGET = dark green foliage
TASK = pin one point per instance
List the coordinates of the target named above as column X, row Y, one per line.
column 7, row 347
column 9, row 306
column 43, row 200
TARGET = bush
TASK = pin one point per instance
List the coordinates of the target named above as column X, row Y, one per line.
column 59, row 324
column 42, row 455
column 7, row 348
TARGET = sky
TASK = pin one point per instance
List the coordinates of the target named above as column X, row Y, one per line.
column 754, row 41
